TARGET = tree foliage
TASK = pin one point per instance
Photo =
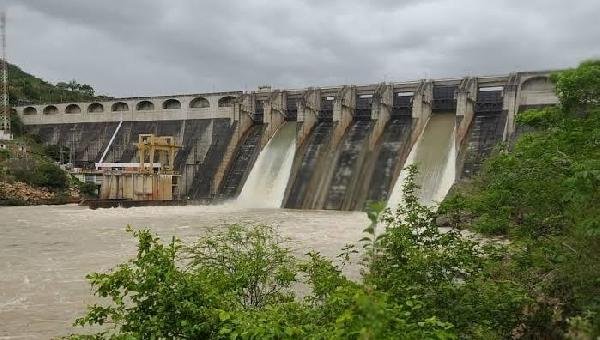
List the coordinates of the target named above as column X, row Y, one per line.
column 542, row 193
column 25, row 89
column 579, row 88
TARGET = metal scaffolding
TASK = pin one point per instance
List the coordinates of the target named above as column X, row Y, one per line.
column 5, row 109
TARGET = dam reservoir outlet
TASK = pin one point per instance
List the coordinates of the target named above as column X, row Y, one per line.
column 434, row 153
column 266, row 183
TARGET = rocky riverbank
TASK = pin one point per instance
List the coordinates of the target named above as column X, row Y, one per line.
column 20, row 193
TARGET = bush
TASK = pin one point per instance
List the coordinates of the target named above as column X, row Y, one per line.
column 88, row 189
column 56, row 152
column 50, row 176
column 41, row 174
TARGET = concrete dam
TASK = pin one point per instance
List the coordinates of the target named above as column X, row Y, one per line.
column 333, row 148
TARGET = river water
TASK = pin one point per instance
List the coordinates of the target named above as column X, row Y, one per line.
column 46, row 251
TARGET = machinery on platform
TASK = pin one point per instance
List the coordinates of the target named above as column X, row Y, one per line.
column 151, row 180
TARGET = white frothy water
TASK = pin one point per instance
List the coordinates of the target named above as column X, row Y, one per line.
column 266, row 183
column 434, row 153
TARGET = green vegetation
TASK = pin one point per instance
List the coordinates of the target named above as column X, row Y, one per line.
column 26, row 160
column 37, row 166
column 543, row 195
column 38, row 173
column 25, row 89
column 418, row 281
column 238, row 283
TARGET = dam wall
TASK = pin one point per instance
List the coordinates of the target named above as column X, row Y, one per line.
column 351, row 141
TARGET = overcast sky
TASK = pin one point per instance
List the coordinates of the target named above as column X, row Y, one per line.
column 154, row 47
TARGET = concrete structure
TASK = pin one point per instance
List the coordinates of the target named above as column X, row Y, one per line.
column 521, row 89
column 179, row 107
column 216, row 129
column 136, row 186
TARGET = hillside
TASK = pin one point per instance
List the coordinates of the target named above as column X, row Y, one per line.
column 25, row 88
column 28, row 170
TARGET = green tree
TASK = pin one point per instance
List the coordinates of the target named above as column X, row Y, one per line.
column 541, row 193
column 579, row 88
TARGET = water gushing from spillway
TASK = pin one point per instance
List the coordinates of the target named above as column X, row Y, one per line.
column 434, row 153
column 266, row 183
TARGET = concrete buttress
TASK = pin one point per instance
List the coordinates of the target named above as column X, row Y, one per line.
column 466, row 97
column 343, row 111
column 383, row 101
column 421, row 107
column 274, row 114
column 244, row 107
column 308, row 109
column 510, row 103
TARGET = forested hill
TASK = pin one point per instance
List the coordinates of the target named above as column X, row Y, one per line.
column 25, row 88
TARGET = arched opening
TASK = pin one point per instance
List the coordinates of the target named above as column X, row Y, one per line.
column 95, row 108
column 171, row 104
column 144, row 106
column 72, row 108
column 199, row 103
column 50, row 110
column 226, row 101
column 120, row 106
column 30, row 110
column 539, row 83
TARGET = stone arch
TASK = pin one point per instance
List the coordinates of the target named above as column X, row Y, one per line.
column 30, row 110
column 119, row 106
column 95, row 108
column 145, row 105
column 50, row 110
column 171, row 104
column 227, row 101
column 537, row 83
column 72, row 108
column 199, row 103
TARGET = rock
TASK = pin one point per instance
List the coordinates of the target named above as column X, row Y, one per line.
column 442, row 221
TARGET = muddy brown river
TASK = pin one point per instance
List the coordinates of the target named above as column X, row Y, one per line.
column 46, row 251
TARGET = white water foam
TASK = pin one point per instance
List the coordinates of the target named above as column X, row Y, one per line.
column 267, row 181
column 434, row 153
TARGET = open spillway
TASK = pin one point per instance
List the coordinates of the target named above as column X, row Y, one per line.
column 434, row 155
column 266, row 183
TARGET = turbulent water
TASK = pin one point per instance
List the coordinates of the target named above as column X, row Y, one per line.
column 46, row 251
column 434, row 154
column 266, row 183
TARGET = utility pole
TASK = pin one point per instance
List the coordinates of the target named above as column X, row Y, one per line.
column 5, row 109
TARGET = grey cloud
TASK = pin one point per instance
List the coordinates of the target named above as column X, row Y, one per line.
column 143, row 47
